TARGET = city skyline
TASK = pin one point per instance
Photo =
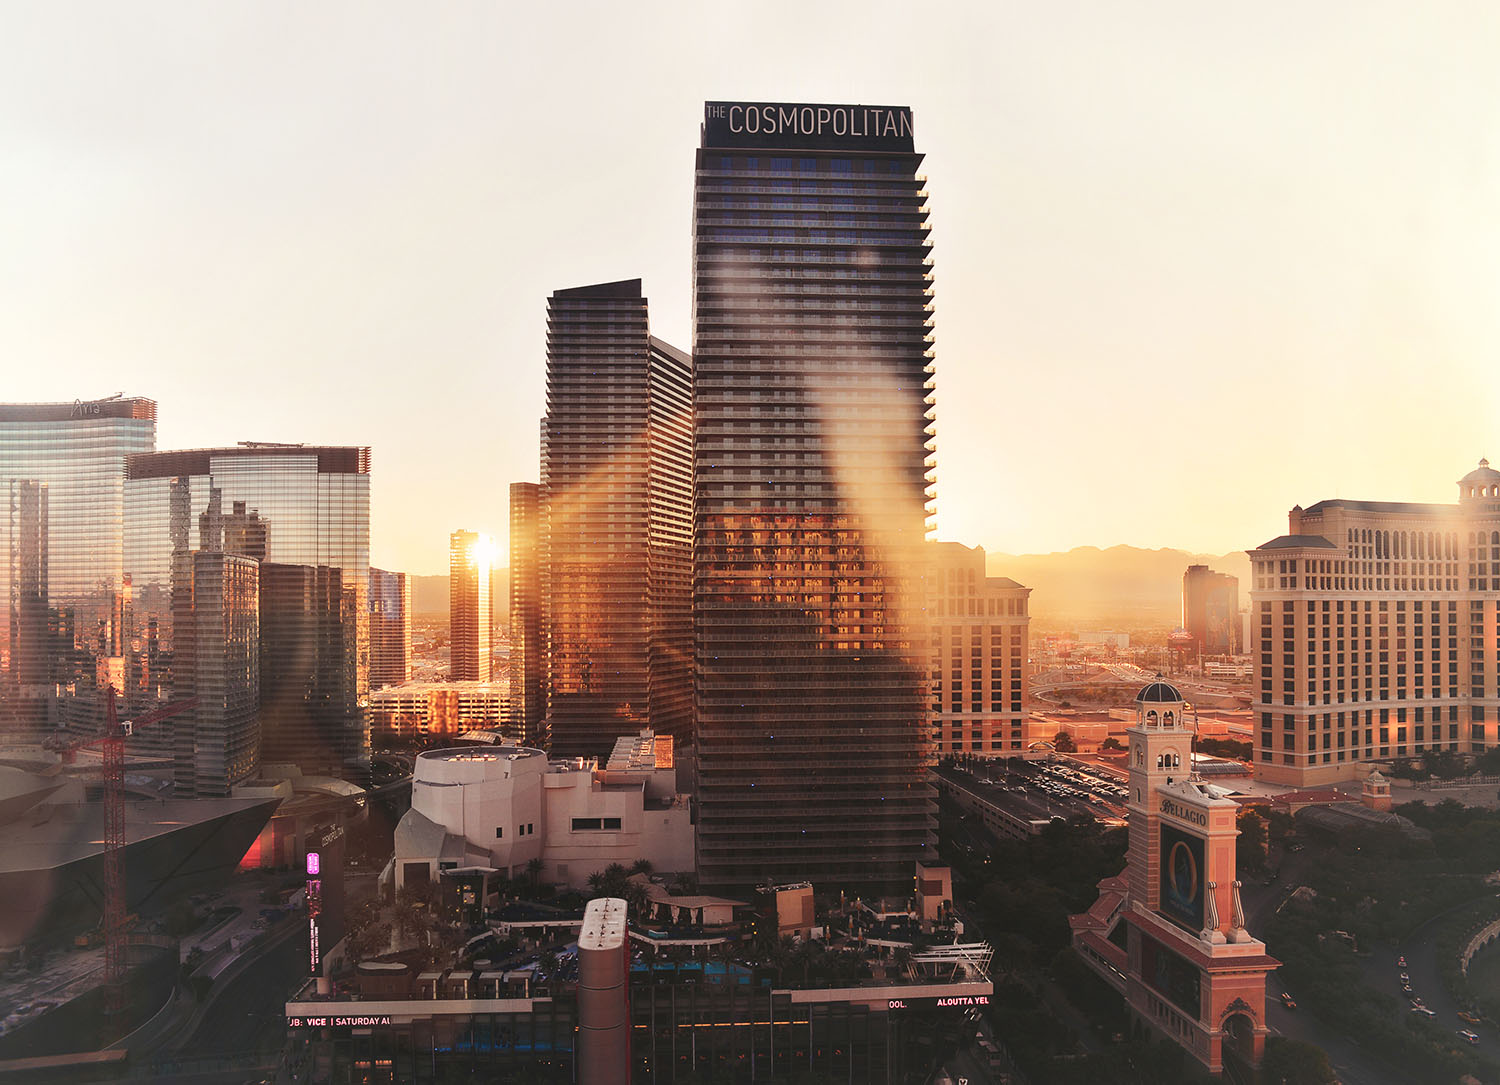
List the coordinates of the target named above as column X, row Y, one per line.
column 1299, row 244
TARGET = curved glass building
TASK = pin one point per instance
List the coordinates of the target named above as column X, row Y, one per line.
column 62, row 576
column 302, row 513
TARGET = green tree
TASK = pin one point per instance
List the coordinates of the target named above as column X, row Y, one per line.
column 1111, row 743
column 1294, row 1062
column 1062, row 742
column 1250, row 848
column 534, row 871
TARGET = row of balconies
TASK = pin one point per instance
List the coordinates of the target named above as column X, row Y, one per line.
column 840, row 204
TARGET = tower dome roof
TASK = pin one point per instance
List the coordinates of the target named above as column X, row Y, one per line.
column 1483, row 473
column 1158, row 692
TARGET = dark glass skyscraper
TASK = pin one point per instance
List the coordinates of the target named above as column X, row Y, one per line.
column 618, row 476
column 303, row 513
column 62, row 471
column 390, row 628
column 216, row 658
column 470, row 605
column 812, row 299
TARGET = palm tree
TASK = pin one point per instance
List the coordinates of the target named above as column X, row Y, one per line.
column 596, row 881
column 534, row 868
column 637, row 900
column 641, row 866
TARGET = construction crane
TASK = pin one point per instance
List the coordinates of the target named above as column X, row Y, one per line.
column 112, row 756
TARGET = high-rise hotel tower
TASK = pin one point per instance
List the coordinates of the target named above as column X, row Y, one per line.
column 470, row 614
column 299, row 515
column 618, row 497
column 67, row 597
column 1376, row 633
column 812, row 307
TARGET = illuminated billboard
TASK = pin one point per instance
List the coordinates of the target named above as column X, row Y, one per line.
column 1182, row 877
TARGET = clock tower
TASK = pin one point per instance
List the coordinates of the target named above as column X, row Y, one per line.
column 1169, row 933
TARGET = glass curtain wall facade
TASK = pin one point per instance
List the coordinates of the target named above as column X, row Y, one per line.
column 528, row 704
column 303, row 513
column 67, row 626
column 470, row 616
column 812, row 309
column 619, row 478
column 217, row 660
column 1211, row 610
column 390, row 628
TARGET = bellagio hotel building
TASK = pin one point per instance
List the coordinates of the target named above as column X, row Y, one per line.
column 981, row 691
column 1376, row 633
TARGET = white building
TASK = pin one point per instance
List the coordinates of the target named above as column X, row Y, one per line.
column 503, row 806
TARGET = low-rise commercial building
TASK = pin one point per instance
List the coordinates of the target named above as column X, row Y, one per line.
column 418, row 710
column 503, row 807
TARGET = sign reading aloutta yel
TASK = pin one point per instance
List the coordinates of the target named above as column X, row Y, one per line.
column 1169, row 933
column 815, row 127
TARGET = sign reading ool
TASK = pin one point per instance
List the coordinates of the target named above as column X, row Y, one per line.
column 814, row 127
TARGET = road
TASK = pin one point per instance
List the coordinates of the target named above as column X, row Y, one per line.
column 250, row 1013
column 1353, row 1064
column 1420, row 951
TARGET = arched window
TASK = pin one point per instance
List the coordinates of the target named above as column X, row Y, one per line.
column 1151, row 718
column 1166, row 719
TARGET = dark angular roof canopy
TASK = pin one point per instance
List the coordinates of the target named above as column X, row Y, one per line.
column 1159, row 692
column 1297, row 542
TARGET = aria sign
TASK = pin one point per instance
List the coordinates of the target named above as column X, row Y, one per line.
column 807, row 127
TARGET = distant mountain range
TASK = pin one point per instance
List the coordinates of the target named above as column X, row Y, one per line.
column 429, row 594
column 1121, row 587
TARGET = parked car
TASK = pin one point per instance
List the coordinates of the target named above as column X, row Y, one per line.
column 1471, row 1018
column 1400, row 962
column 1423, row 1010
column 1468, row 1036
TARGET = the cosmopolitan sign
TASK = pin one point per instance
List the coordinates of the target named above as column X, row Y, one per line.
column 810, row 127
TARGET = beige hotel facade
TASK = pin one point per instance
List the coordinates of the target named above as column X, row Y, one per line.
column 979, row 625
column 1376, row 634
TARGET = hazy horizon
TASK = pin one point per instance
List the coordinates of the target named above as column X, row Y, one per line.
column 1193, row 265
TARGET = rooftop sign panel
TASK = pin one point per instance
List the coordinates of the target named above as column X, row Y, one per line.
column 808, row 127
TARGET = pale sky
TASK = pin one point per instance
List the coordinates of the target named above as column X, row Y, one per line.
column 1196, row 263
